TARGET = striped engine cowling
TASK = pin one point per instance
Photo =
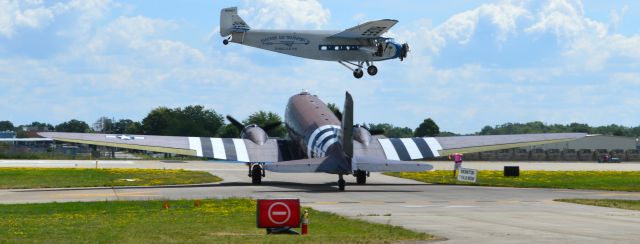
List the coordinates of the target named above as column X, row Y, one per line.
column 410, row 148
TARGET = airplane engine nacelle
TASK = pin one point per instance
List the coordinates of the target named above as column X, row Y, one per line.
column 361, row 135
column 255, row 134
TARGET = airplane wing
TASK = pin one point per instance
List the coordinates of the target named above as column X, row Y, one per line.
column 24, row 139
column 406, row 149
column 371, row 29
column 232, row 149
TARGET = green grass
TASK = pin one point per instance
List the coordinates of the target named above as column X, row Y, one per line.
column 610, row 203
column 64, row 177
column 592, row 180
column 215, row 221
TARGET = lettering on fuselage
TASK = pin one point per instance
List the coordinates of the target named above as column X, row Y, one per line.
column 284, row 42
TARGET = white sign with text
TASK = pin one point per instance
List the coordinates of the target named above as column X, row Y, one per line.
column 468, row 175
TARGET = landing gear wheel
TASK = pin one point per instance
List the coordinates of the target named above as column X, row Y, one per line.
column 372, row 70
column 341, row 183
column 361, row 177
column 225, row 41
column 358, row 73
column 256, row 175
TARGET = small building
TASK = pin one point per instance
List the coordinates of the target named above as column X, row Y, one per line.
column 7, row 134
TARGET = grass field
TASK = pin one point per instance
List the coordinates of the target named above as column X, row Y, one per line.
column 611, row 203
column 593, row 180
column 215, row 221
column 64, row 177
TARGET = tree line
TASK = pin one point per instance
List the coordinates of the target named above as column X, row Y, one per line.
column 540, row 127
column 196, row 120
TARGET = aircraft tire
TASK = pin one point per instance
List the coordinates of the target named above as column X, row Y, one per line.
column 225, row 41
column 361, row 177
column 341, row 184
column 256, row 175
column 358, row 73
column 372, row 70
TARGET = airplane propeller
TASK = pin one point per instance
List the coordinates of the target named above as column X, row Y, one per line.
column 404, row 50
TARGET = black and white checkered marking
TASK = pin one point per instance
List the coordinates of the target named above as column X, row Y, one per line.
column 320, row 140
column 232, row 149
column 410, row 148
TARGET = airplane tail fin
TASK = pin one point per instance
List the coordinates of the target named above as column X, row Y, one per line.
column 347, row 127
column 230, row 22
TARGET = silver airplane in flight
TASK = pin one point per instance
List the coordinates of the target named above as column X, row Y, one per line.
column 317, row 141
column 353, row 48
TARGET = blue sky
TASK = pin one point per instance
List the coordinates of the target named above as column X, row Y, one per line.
column 473, row 63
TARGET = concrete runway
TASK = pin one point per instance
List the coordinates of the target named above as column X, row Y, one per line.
column 460, row 214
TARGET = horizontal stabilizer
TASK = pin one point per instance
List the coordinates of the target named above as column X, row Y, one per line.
column 383, row 165
column 296, row 166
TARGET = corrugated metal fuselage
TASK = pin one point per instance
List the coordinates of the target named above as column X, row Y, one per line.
column 315, row 45
column 312, row 125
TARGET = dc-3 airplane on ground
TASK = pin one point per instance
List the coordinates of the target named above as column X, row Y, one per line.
column 353, row 47
column 317, row 142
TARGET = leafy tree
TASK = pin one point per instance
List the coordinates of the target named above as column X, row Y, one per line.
column 577, row 127
column 428, row 127
column 335, row 110
column 73, row 126
column 266, row 119
column 229, row 131
column 157, row 121
column 540, row 127
column 127, row 126
column 391, row 131
column 190, row 121
column 103, row 125
column 38, row 126
column 6, row 125
column 263, row 119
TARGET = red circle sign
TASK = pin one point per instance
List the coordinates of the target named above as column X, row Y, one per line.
column 274, row 213
column 279, row 213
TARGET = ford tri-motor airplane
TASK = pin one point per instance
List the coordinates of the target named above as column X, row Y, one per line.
column 353, row 47
column 317, row 142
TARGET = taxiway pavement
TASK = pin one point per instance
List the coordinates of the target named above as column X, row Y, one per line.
column 461, row 214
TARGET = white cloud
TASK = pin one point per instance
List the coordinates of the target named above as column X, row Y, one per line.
column 126, row 64
column 281, row 14
column 461, row 27
column 616, row 17
column 588, row 43
column 17, row 14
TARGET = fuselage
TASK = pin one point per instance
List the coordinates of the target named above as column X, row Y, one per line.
column 316, row 45
column 311, row 124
